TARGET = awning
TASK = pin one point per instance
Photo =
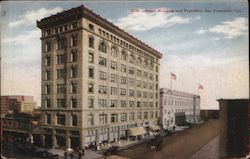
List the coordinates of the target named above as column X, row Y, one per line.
column 154, row 127
column 137, row 131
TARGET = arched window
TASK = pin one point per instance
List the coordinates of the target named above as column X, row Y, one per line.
column 103, row 47
column 114, row 51
column 124, row 55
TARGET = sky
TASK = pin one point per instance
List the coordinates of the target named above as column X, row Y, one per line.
column 202, row 43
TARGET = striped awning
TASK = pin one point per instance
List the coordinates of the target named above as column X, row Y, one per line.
column 137, row 131
column 154, row 127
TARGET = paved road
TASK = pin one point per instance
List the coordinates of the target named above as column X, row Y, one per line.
column 180, row 145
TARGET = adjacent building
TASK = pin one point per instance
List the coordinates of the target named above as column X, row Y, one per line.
column 178, row 108
column 234, row 117
column 17, row 103
column 98, row 81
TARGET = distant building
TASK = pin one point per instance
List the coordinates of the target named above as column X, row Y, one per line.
column 178, row 108
column 209, row 113
column 98, row 82
column 234, row 128
column 17, row 103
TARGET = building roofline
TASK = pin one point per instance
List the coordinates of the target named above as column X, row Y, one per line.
column 82, row 11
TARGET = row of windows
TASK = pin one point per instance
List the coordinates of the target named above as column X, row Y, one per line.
column 60, row 29
column 61, row 59
column 178, row 102
column 61, row 119
column 102, row 103
column 121, row 42
column 103, row 118
column 103, row 47
column 123, row 68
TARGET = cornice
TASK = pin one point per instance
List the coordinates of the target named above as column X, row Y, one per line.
column 82, row 11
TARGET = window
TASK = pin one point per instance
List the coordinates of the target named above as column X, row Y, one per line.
column 151, row 115
column 138, row 115
column 145, row 75
column 123, row 68
column 91, row 42
column 145, row 104
column 145, row 115
column 131, row 104
column 131, row 71
column 151, row 104
column 47, row 89
column 48, row 118
column 123, row 92
column 91, row 102
column 131, row 93
column 61, row 44
column 123, row 104
column 60, row 74
column 131, row 58
column 48, row 46
column 113, row 65
column 74, row 119
column 139, row 73
column 145, row 85
column 102, row 89
column 138, row 83
column 156, row 77
column 123, row 117
column 150, row 86
column 47, row 103
column 91, row 72
column 113, row 103
column 123, row 80
column 138, row 104
column 156, row 68
column 47, row 61
column 91, row 57
column 113, row 52
column 102, row 103
column 61, row 103
column 103, row 119
column 131, row 82
column 59, row 59
column 113, row 78
column 73, row 56
column 102, row 76
column 73, row 103
column 90, row 120
column 73, row 87
column 60, row 119
column 103, row 47
column 123, row 55
column 73, row 41
column 114, row 118
column 60, row 88
column 138, row 94
column 91, row 88
column 73, row 72
column 151, row 76
column 113, row 90
column 47, row 75
column 102, row 61
column 131, row 116
column 91, row 27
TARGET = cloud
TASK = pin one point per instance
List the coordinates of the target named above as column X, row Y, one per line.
column 230, row 29
column 24, row 38
column 32, row 16
column 142, row 21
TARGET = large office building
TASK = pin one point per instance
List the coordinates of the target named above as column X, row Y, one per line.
column 178, row 108
column 98, row 81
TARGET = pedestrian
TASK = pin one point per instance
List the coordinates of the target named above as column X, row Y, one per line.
column 65, row 155
column 71, row 155
column 79, row 154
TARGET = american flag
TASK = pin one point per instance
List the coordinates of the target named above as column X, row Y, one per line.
column 173, row 76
